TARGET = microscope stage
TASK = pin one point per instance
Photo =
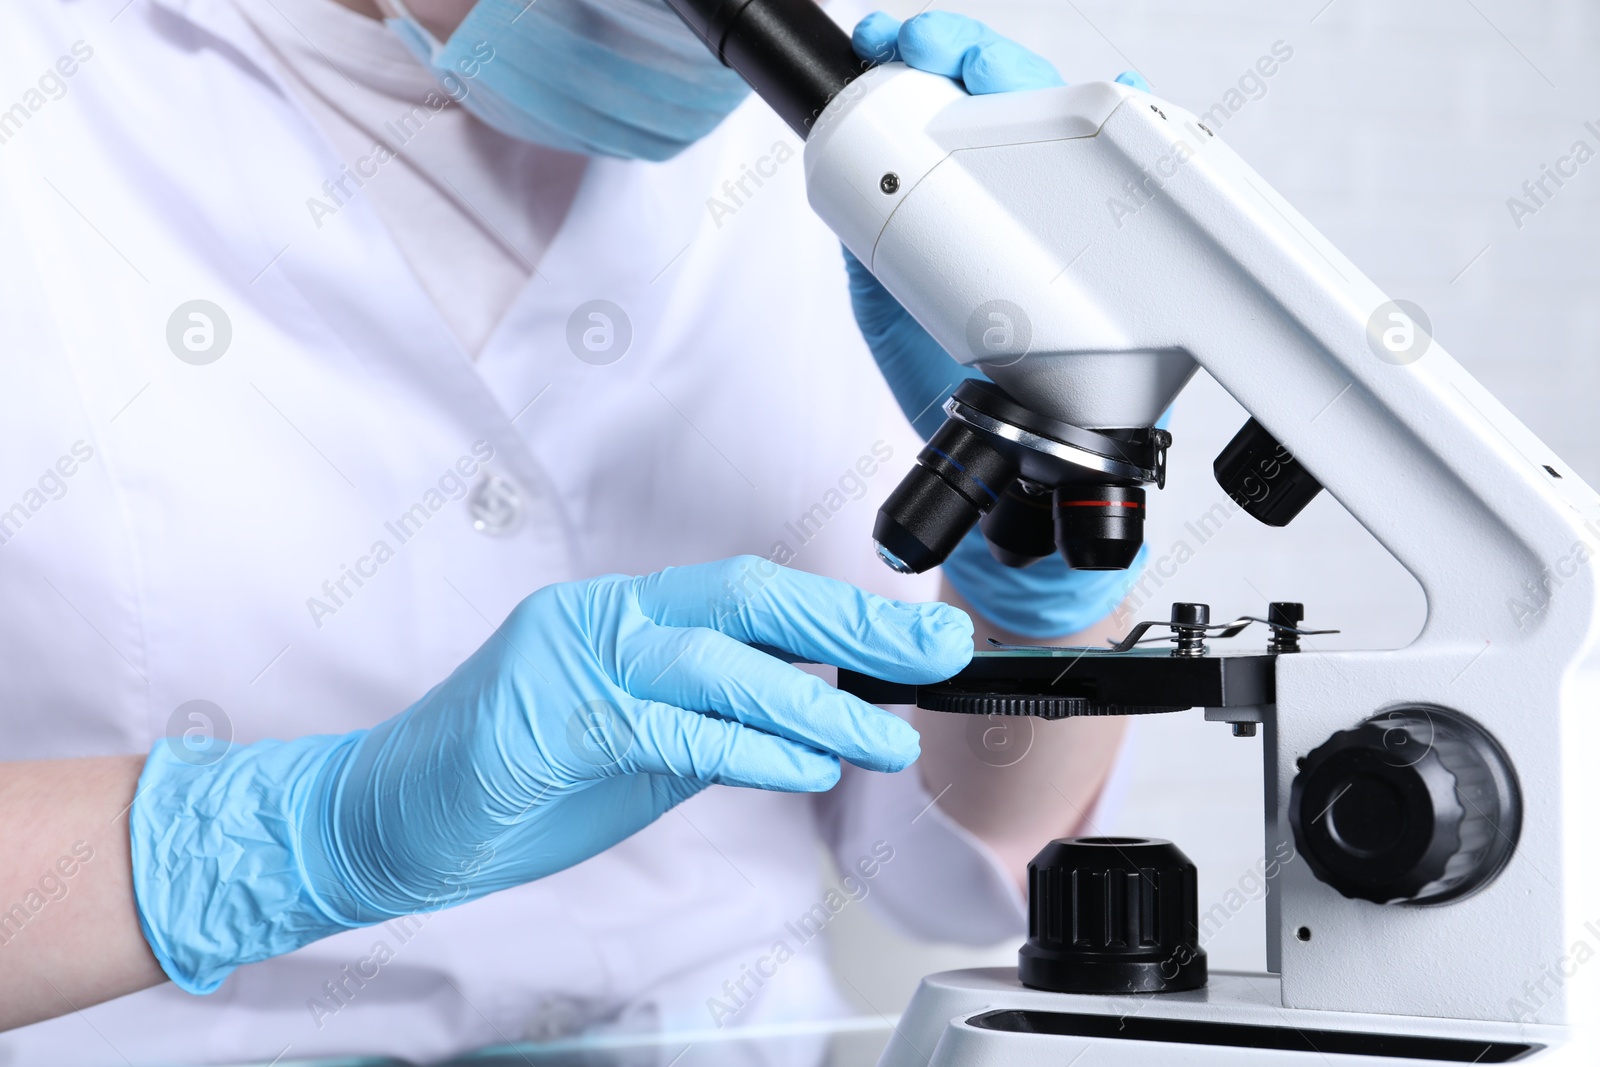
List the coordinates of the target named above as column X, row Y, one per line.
column 1056, row 683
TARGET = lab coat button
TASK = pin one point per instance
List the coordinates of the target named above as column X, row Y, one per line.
column 496, row 505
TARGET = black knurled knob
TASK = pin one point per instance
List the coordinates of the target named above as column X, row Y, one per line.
column 1263, row 477
column 1416, row 806
column 1112, row 915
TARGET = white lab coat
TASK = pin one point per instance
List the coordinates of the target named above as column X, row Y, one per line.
column 207, row 505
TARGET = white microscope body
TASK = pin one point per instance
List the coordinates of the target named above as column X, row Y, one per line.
column 1128, row 245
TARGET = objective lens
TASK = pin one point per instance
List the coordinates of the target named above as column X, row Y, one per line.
column 1099, row 527
column 1021, row 528
column 894, row 562
column 958, row 477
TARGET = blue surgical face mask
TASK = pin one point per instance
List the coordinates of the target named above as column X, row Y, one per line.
column 603, row 77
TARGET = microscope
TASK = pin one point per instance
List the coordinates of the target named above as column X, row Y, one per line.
column 1088, row 248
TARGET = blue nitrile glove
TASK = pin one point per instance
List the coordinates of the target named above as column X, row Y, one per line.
column 1048, row 599
column 594, row 708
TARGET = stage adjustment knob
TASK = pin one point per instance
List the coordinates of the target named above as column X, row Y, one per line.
column 1417, row 806
column 1112, row 915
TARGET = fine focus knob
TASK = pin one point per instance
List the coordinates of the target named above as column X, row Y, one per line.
column 1417, row 806
column 1112, row 915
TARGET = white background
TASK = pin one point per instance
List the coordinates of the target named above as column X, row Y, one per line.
column 1399, row 130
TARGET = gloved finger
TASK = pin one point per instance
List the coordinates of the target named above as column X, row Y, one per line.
column 876, row 38
column 1133, row 79
column 670, row 741
column 943, row 42
column 701, row 670
column 823, row 620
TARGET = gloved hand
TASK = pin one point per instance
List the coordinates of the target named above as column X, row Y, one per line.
column 1048, row 599
column 594, row 708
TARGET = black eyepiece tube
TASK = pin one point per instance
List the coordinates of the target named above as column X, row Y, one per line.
column 791, row 53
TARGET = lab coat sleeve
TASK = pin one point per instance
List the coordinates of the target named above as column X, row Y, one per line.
column 942, row 882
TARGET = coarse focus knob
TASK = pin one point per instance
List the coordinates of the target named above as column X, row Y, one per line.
column 1416, row 806
column 1112, row 915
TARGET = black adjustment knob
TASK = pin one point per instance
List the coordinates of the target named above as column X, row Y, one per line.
column 1263, row 477
column 1416, row 806
column 1112, row 915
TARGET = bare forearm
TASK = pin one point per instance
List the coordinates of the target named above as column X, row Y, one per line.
column 1018, row 784
column 69, row 932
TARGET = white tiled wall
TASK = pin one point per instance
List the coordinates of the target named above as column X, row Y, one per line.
column 1400, row 130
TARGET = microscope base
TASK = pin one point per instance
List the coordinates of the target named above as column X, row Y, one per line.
column 985, row 1018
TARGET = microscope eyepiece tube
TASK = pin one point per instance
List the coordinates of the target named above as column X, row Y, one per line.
column 790, row 52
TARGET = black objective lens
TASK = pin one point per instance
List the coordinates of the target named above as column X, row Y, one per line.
column 958, row 477
column 1021, row 530
column 1099, row 527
